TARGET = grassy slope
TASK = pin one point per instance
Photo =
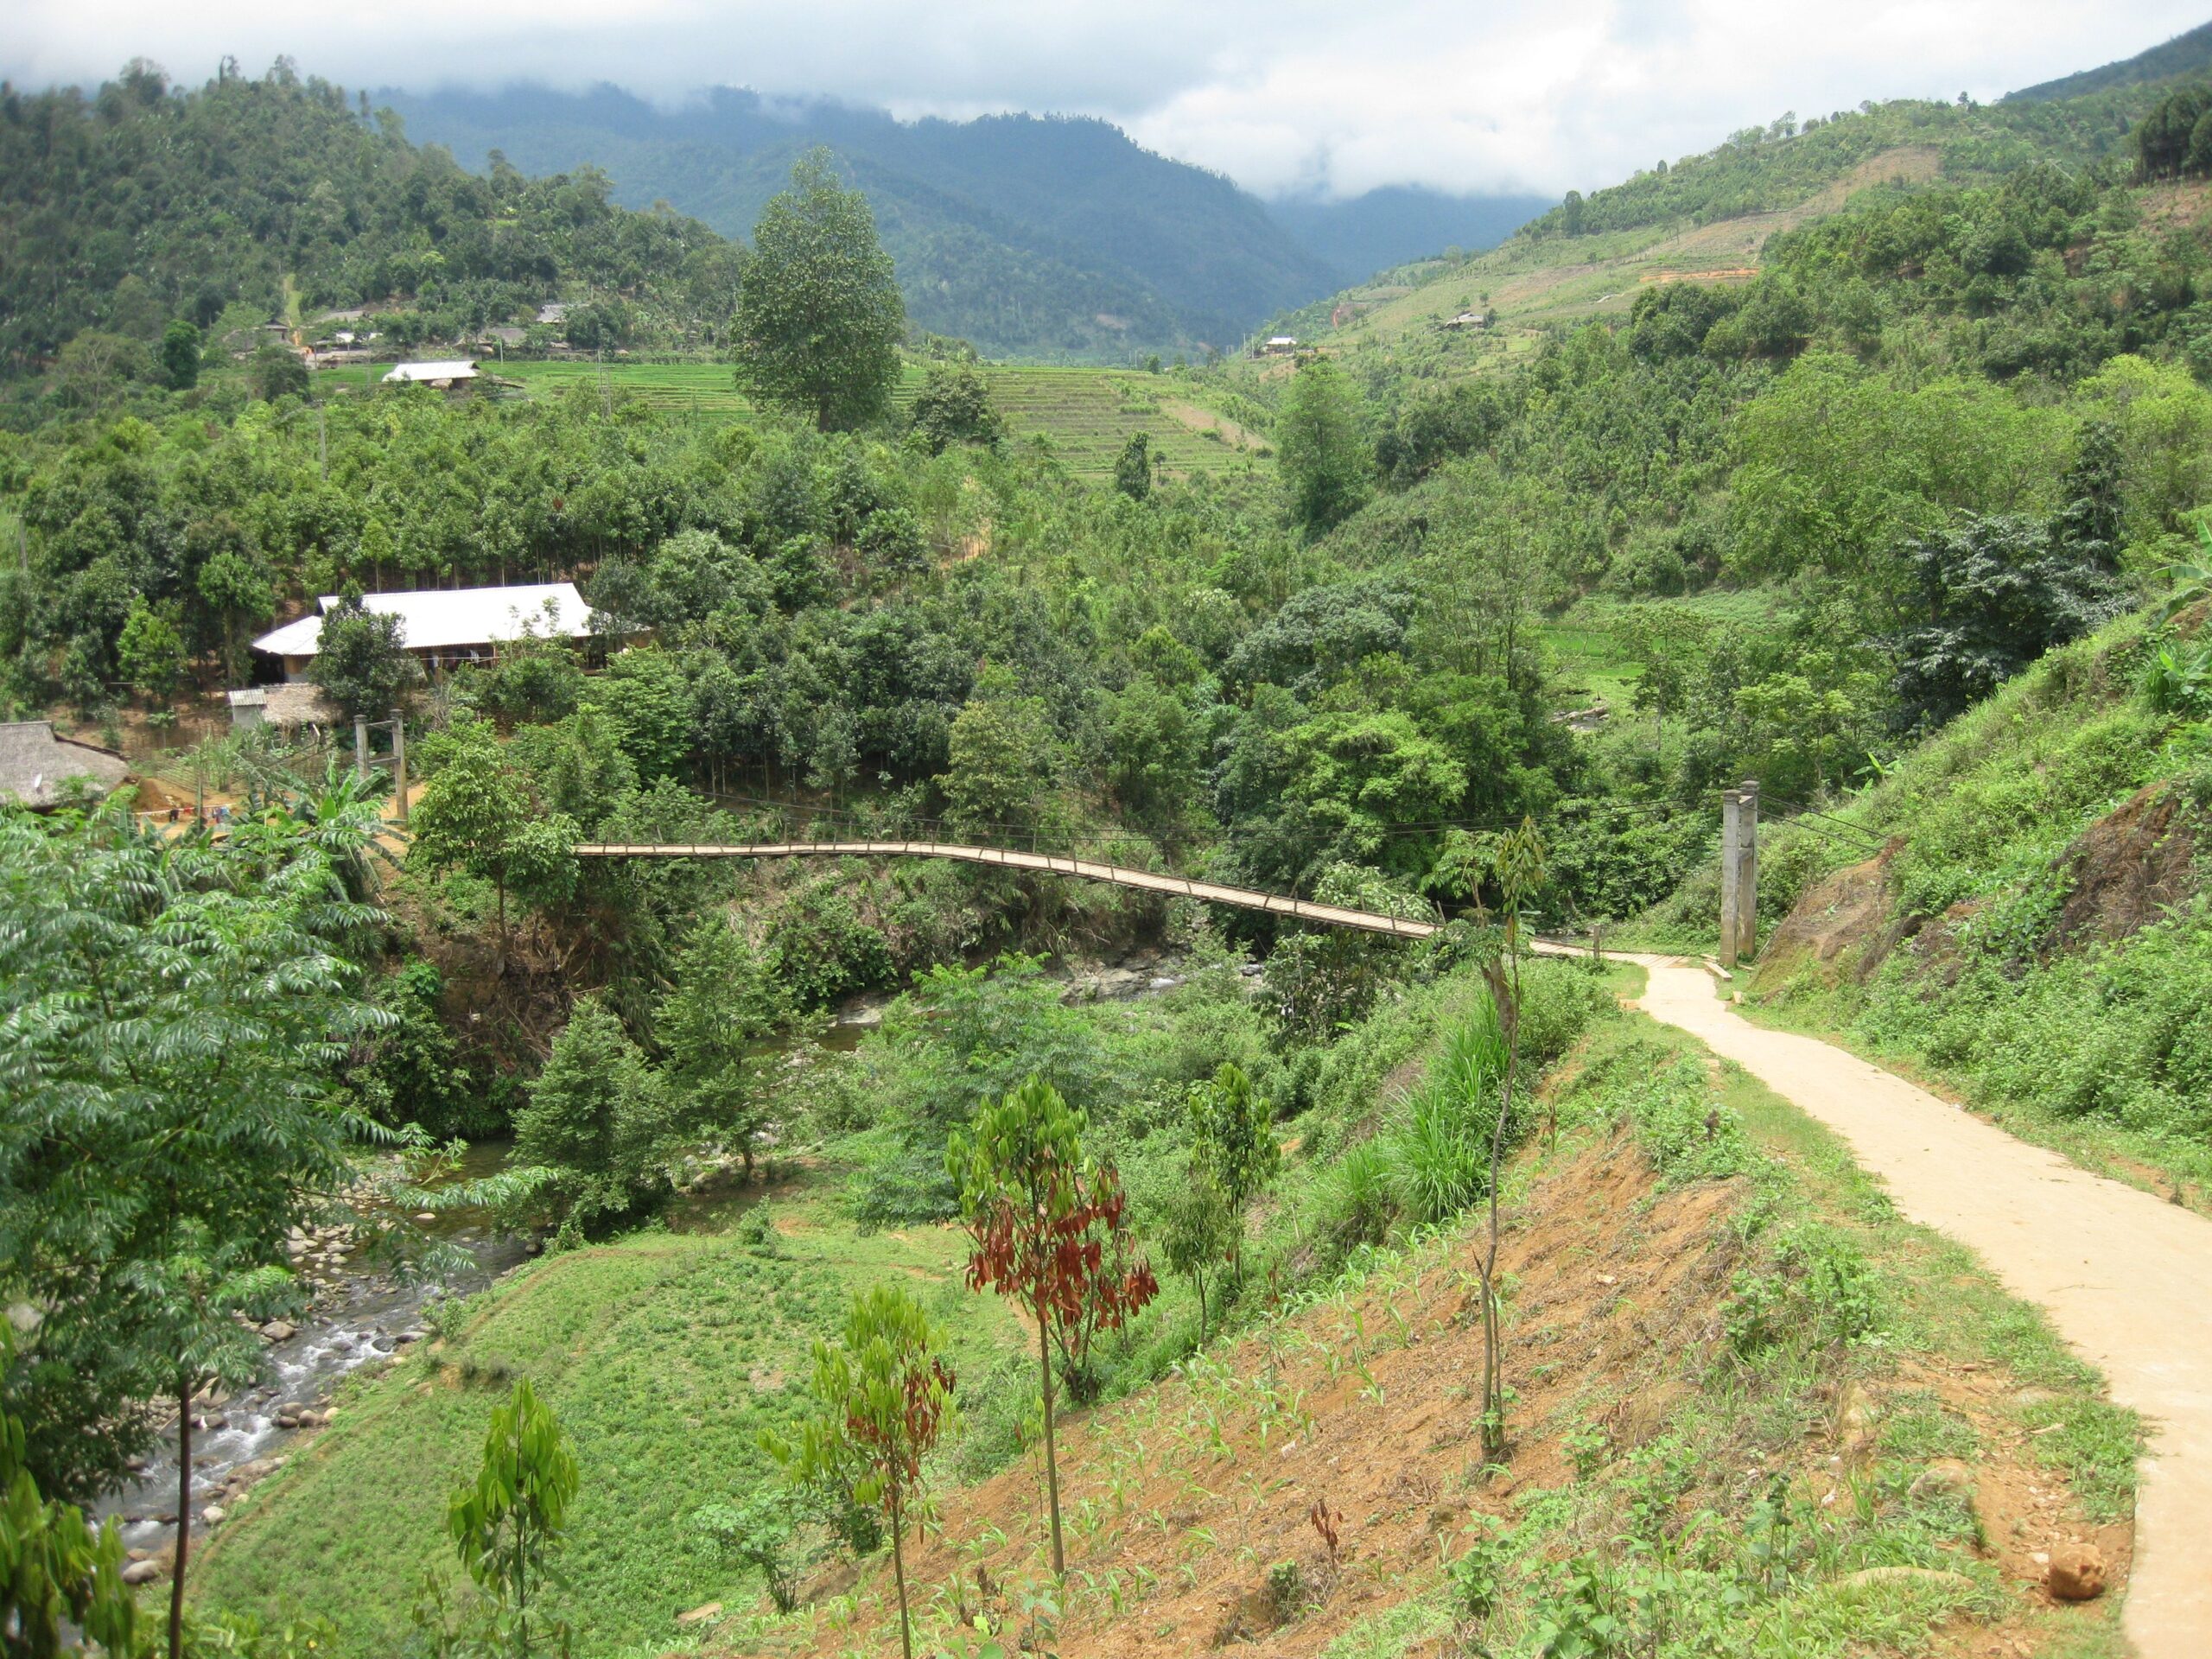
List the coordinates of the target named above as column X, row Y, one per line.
column 665, row 1355
column 1627, row 1399
column 2089, row 1045
column 1087, row 415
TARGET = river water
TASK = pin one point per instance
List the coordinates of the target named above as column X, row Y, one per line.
column 361, row 1315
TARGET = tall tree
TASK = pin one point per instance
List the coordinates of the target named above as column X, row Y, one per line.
column 818, row 312
column 1232, row 1136
column 479, row 815
column 181, row 354
column 881, row 1400
column 1328, row 461
column 172, row 1014
column 712, row 1023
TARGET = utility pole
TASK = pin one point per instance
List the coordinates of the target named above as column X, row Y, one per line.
column 1747, row 870
column 1730, row 829
column 399, row 762
column 322, row 440
column 361, row 747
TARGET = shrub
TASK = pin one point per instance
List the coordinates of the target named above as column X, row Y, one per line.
column 1815, row 1288
column 1438, row 1160
column 1359, row 1202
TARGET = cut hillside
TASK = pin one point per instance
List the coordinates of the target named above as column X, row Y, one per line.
column 1749, row 1408
column 2034, row 934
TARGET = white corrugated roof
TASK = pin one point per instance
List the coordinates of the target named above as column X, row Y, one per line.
column 438, row 619
column 460, row 368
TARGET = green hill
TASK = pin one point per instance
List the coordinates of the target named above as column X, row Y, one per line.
column 140, row 202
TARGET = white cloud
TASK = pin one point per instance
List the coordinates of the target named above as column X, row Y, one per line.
column 1296, row 94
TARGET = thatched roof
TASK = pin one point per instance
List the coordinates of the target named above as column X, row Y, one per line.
column 34, row 763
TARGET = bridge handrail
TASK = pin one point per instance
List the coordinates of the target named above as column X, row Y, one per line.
column 1056, row 863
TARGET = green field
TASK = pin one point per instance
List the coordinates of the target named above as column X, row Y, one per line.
column 665, row 1354
column 1593, row 645
column 1086, row 415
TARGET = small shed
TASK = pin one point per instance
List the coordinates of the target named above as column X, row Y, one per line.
column 445, row 375
column 1278, row 345
column 36, row 764
column 294, row 705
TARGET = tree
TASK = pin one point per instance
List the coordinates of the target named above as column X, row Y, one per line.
column 54, row 1569
column 954, row 406
column 598, row 1117
column 1517, row 866
column 360, row 658
column 1996, row 593
column 1232, row 1136
column 1200, row 1230
column 150, row 651
column 1321, row 439
column 181, row 354
column 235, row 585
column 1048, row 1229
column 819, row 313
column 713, row 1022
column 881, row 1400
column 1003, row 763
column 277, row 371
column 172, row 1017
column 508, row 1521
column 478, row 814
column 1133, row 466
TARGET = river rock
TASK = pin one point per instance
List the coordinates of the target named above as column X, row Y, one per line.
column 280, row 1330
column 211, row 1515
column 2077, row 1572
column 142, row 1573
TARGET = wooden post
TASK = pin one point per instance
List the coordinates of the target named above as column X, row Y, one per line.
column 360, row 748
column 1747, row 870
column 399, row 762
column 1729, row 872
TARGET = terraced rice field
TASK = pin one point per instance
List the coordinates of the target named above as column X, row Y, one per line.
column 1086, row 415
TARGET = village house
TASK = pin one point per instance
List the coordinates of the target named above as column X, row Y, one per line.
column 1278, row 345
column 296, row 705
column 38, row 766
column 443, row 627
column 446, row 375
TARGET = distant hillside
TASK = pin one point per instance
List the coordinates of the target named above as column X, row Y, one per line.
column 142, row 202
column 1028, row 235
column 2185, row 55
column 1364, row 234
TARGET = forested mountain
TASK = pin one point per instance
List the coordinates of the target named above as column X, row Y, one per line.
column 1029, row 235
column 140, row 203
column 2188, row 53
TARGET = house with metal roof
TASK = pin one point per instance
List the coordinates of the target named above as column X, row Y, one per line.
column 36, row 764
column 445, row 627
column 445, row 374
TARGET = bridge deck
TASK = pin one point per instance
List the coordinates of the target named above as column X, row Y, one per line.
column 1057, row 864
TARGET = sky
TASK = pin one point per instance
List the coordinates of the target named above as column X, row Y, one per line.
column 1284, row 96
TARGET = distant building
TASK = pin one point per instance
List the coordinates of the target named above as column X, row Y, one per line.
column 553, row 313
column 445, row 626
column 1278, row 345
column 1466, row 320
column 445, row 376
column 36, row 765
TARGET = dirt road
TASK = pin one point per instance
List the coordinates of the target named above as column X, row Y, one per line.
column 2126, row 1278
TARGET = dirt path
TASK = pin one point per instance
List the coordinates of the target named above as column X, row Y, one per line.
column 2126, row 1278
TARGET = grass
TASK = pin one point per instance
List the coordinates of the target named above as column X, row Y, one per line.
column 1085, row 415
column 665, row 1356
column 1592, row 643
